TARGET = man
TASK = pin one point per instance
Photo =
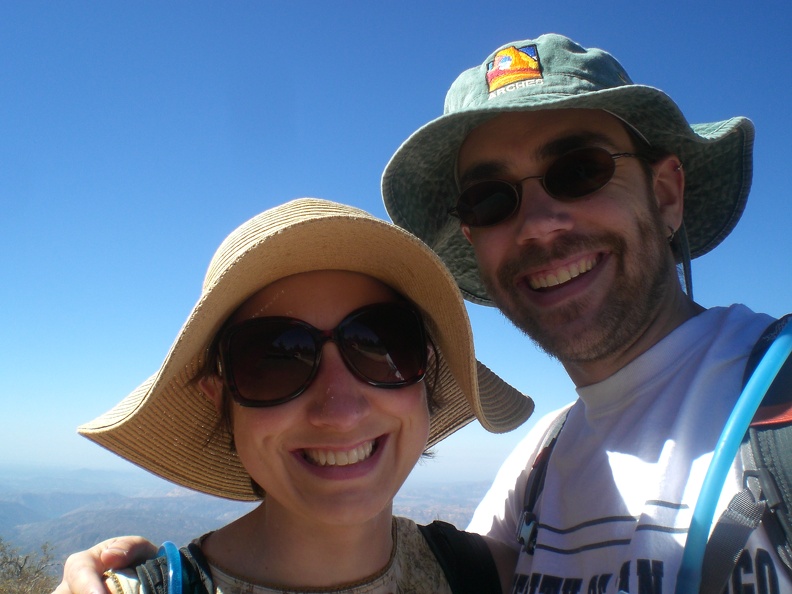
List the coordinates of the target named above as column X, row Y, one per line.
column 564, row 194
column 577, row 193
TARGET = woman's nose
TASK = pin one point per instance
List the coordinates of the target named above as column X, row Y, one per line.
column 338, row 397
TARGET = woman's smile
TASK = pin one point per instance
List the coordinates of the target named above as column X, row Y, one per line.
column 337, row 457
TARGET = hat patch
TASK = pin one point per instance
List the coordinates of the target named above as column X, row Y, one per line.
column 513, row 68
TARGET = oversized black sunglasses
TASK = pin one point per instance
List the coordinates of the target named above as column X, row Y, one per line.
column 270, row 360
column 571, row 176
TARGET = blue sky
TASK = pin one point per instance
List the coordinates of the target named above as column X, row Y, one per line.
column 134, row 136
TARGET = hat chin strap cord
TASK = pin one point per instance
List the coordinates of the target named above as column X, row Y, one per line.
column 689, row 577
column 680, row 240
column 685, row 248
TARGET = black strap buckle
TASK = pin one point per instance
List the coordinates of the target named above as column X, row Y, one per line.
column 527, row 530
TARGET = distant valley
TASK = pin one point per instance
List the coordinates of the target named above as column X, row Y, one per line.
column 74, row 509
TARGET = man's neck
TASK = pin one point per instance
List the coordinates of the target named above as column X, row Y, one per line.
column 673, row 313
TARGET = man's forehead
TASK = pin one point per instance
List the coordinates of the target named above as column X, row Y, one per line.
column 513, row 137
column 546, row 124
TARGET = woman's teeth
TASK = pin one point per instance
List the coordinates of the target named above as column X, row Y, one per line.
column 339, row 458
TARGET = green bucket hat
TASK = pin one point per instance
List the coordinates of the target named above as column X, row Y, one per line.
column 553, row 72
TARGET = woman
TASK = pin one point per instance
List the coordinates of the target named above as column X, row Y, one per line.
column 327, row 351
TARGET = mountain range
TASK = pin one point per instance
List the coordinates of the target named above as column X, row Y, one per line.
column 73, row 509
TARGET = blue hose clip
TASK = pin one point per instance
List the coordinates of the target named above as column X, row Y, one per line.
column 175, row 567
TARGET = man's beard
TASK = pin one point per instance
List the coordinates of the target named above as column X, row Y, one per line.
column 642, row 277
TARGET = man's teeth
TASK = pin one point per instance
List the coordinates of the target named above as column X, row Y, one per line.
column 562, row 275
column 338, row 458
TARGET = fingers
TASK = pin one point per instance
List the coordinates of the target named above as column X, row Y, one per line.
column 82, row 575
column 63, row 588
column 83, row 571
column 125, row 551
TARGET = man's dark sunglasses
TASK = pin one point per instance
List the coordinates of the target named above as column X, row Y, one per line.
column 271, row 360
column 572, row 176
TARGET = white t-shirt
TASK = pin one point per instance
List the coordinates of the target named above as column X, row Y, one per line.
column 625, row 474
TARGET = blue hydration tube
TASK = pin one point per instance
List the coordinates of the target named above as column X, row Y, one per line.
column 689, row 577
column 171, row 552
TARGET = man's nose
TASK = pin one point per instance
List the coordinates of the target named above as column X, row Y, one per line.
column 540, row 216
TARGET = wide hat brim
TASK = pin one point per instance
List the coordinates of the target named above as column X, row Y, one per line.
column 167, row 427
column 419, row 186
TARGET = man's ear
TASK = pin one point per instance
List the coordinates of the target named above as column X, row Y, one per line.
column 466, row 232
column 212, row 387
column 669, row 190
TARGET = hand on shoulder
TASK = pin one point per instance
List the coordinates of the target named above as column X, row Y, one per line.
column 83, row 572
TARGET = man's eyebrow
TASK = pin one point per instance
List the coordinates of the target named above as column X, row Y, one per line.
column 487, row 170
column 560, row 146
column 482, row 171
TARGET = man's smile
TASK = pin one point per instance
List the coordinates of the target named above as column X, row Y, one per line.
column 562, row 274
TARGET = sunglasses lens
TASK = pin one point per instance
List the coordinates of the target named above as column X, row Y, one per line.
column 579, row 173
column 487, row 203
column 385, row 345
column 269, row 361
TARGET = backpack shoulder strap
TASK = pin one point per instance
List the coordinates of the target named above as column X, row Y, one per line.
column 464, row 556
column 528, row 526
column 772, row 450
column 767, row 460
column 189, row 566
column 770, row 437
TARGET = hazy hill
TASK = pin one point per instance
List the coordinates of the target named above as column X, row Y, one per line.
column 177, row 518
column 73, row 510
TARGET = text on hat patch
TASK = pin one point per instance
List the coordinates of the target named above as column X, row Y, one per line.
column 512, row 65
